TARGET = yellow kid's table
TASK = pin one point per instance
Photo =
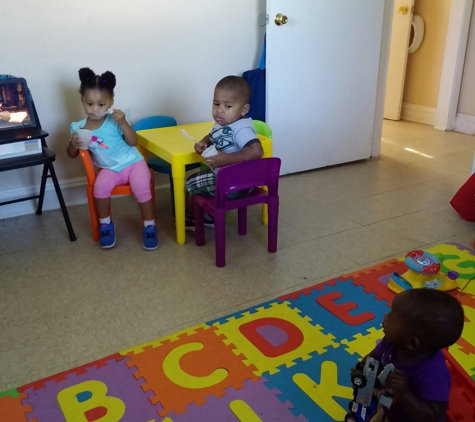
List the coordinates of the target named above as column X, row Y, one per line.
column 171, row 145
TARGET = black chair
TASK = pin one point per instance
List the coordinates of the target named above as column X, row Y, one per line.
column 45, row 158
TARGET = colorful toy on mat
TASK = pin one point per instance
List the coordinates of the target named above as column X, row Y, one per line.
column 423, row 273
column 365, row 403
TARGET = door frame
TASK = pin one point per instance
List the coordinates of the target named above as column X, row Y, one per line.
column 454, row 60
column 400, row 30
column 382, row 76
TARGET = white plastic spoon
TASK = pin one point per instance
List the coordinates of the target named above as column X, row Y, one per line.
column 186, row 135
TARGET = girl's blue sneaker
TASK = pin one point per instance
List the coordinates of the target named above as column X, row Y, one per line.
column 107, row 235
column 150, row 238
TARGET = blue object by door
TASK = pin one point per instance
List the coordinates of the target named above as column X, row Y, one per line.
column 257, row 81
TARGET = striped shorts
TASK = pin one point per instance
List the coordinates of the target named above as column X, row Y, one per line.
column 204, row 183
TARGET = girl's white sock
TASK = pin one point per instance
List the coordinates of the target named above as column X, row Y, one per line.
column 106, row 220
column 147, row 223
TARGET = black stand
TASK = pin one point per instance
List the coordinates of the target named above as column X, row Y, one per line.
column 45, row 158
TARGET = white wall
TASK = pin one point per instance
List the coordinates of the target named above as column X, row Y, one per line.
column 167, row 56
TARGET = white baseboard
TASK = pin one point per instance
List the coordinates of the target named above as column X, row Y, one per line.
column 418, row 114
column 465, row 123
column 73, row 190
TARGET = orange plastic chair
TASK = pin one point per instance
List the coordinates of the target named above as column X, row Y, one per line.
column 118, row 190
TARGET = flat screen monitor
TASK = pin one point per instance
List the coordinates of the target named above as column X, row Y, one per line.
column 16, row 107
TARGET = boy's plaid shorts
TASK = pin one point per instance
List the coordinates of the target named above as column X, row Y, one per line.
column 202, row 183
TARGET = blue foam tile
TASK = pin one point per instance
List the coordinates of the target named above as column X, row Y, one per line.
column 303, row 404
column 331, row 323
column 237, row 315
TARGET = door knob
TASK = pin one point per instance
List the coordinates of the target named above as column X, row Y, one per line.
column 403, row 10
column 280, row 19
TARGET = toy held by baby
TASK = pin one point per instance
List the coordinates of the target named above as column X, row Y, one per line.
column 86, row 137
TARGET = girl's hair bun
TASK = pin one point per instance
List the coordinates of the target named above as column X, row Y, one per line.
column 89, row 80
column 107, row 79
column 86, row 75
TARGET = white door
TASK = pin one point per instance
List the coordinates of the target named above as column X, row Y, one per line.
column 400, row 34
column 325, row 76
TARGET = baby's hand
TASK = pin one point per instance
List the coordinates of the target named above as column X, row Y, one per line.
column 118, row 116
column 396, row 383
column 75, row 141
column 218, row 160
column 357, row 370
column 200, row 147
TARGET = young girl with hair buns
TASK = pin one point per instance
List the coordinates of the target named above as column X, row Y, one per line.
column 111, row 141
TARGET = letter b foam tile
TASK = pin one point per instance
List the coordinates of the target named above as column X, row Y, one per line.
column 89, row 395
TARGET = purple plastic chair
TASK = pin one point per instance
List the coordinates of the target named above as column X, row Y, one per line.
column 239, row 176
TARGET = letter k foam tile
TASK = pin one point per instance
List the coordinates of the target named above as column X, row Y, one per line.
column 252, row 403
column 319, row 388
column 340, row 307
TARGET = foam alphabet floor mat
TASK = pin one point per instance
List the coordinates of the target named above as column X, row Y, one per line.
column 288, row 359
